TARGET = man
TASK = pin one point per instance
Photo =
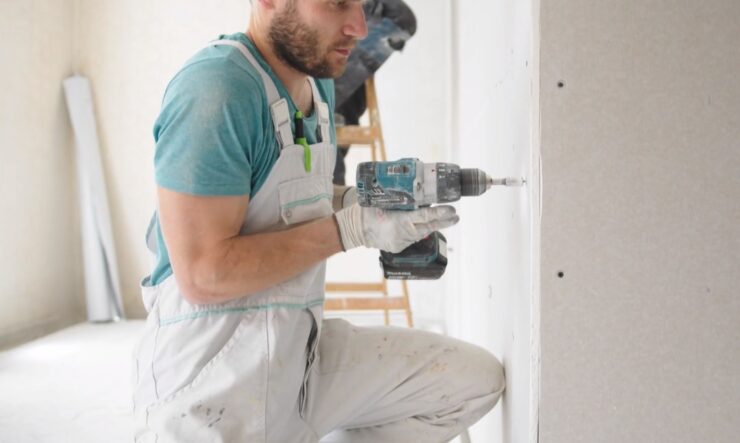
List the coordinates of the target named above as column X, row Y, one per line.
column 235, row 348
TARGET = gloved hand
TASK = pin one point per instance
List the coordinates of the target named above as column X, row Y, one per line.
column 391, row 231
column 349, row 197
column 344, row 196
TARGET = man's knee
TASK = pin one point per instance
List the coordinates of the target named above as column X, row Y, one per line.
column 489, row 372
column 469, row 369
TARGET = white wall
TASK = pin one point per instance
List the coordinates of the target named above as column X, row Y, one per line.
column 40, row 259
column 492, row 292
column 641, row 170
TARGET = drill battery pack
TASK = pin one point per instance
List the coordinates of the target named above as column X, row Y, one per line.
column 424, row 260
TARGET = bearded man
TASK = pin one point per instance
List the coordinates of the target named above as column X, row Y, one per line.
column 235, row 348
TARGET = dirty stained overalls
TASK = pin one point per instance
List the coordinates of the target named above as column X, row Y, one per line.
column 267, row 368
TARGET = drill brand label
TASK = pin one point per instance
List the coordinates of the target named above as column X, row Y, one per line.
column 398, row 169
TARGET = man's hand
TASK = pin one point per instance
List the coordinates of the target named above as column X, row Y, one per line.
column 344, row 196
column 391, row 231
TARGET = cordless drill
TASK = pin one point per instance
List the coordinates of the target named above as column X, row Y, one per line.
column 409, row 184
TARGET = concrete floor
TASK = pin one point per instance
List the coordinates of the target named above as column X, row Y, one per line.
column 71, row 386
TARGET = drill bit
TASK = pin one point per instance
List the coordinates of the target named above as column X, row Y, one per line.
column 506, row 181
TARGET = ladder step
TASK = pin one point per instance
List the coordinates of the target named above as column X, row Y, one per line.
column 356, row 135
column 355, row 287
column 365, row 304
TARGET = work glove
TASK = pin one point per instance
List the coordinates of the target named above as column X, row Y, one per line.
column 344, row 196
column 350, row 197
column 391, row 231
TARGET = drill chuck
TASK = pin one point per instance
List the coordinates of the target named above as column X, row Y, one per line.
column 474, row 182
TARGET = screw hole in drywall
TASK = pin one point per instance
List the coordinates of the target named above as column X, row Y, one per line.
column 561, row 274
column 561, row 84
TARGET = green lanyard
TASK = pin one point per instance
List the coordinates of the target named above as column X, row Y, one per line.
column 300, row 139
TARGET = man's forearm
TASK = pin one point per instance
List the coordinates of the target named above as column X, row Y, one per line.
column 243, row 265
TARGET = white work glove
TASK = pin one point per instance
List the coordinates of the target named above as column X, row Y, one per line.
column 350, row 197
column 391, row 231
column 344, row 196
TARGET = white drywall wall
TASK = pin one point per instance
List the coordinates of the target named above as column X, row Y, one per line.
column 491, row 292
column 641, row 173
column 40, row 259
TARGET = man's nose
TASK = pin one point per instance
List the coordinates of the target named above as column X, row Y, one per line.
column 356, row 26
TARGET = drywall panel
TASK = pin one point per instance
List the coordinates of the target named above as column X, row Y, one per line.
column 40, row 260
column 492, row 295
column 641, row 172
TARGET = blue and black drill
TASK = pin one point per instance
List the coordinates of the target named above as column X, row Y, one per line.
column 409, row 184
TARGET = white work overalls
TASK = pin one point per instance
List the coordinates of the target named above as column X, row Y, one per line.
column 267, row 368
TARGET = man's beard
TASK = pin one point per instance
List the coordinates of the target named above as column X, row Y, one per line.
column 298, row 45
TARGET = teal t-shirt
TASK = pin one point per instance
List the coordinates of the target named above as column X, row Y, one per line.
column 214, row 135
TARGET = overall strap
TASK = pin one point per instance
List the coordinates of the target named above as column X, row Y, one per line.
column 279, row 110
column 323, row 127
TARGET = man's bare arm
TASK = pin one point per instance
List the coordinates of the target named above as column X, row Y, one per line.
column 212, row 263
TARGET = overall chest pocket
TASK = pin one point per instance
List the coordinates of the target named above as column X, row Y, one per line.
column 305, row 199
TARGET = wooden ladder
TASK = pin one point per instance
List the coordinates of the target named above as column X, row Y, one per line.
column 372, row 137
